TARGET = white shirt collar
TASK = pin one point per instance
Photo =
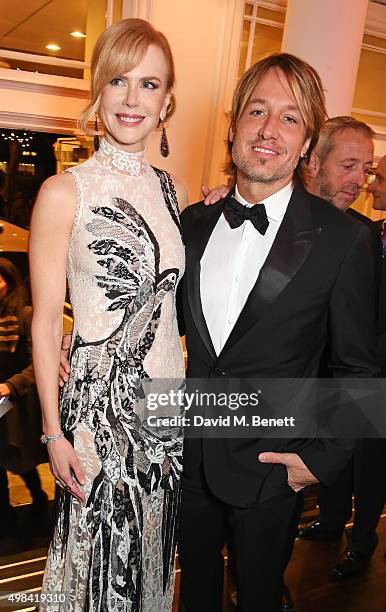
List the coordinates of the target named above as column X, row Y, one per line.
column 275, row 205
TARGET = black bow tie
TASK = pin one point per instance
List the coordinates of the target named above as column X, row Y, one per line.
column 235, row 213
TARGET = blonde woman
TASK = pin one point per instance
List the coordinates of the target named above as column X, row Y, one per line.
column 112, row 224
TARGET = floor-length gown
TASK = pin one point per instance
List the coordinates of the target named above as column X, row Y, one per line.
column 115, row 551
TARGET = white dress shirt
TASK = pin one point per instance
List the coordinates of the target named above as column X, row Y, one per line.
column 231, row 264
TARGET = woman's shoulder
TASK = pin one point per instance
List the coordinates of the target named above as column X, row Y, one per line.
column 170, row 180
column 56, row 203
column 58, row 184
column 181, row 191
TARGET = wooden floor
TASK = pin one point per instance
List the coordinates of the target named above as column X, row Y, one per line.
column 22, row 559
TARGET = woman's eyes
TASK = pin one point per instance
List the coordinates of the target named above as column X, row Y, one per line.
column 119, row 82
column 149, row 85
column 116, row 81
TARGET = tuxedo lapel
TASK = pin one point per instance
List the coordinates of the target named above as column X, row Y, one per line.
column 289, row 251
column 205, row 223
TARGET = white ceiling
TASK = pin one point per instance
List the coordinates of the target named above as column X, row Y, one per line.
column 29, row 25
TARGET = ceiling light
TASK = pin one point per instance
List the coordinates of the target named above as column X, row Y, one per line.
column 77, row 34
column 53, row 47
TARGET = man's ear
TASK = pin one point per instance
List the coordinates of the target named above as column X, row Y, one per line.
column 230, row 134
column 305, row 147
column 313, row 165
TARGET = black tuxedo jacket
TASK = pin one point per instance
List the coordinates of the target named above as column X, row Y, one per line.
column 381, row 302
column 315, row 288
column 380, row 283
column 375, row 228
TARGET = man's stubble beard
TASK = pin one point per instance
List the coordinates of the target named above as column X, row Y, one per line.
column 325, row 188
column 252, row 176
column 327, row 193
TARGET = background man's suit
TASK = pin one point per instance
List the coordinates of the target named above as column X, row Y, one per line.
column 315, row 288
column 365, row 474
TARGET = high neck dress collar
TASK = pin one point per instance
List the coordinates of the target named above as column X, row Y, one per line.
column 121, row 162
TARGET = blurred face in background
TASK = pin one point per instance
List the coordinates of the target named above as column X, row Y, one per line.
column 3, row 287
column 341, row 175
column 378, row 186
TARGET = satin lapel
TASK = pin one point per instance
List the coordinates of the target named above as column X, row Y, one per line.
column 289, row 251
column 195, row 246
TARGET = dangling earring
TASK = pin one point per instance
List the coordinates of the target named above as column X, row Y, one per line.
column 164, row 146
column 96, row 136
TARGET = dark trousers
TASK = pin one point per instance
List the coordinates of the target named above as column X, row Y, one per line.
column 4, row 491
column 365, row 476
column 261, row 538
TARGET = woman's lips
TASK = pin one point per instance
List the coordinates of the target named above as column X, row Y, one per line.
column 130, row 119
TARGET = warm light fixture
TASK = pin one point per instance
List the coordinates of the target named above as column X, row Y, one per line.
column 77, row 34
column 23, row 138
column 53, row 47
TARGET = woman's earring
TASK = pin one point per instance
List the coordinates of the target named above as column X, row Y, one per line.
column 96, row 136
column 164, row 147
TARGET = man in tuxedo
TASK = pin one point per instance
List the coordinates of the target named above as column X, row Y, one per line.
column 273, row 276
column 337, row 169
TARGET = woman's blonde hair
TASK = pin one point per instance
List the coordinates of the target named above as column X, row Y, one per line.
column 118, row 50
column 307, row 90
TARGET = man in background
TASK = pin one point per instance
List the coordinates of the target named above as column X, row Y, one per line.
column 337, row 170
column 340, row 161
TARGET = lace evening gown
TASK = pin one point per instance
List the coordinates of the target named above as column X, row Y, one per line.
column 115, row 552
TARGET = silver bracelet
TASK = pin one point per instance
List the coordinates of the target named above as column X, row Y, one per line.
column 49, row 439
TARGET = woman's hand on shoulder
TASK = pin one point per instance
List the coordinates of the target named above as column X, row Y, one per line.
column 212, row 196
